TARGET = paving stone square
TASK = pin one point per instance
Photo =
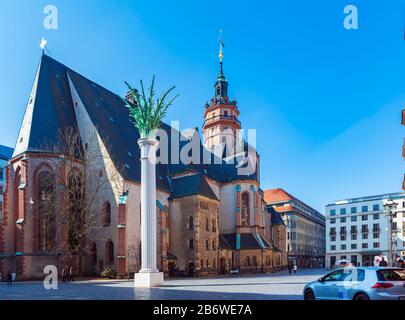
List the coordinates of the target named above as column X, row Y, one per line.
column 276, row 286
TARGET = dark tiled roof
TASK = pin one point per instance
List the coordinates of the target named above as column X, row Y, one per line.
column 53, row 107
column 247, row 241
column 275, row 216
column 171, row 256
column 54, row 111
column 6, row 152
column 191, row 184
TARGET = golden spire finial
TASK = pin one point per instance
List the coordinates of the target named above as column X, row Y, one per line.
column 221, row 46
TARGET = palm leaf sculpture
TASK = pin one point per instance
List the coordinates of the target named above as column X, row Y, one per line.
column 146, row 112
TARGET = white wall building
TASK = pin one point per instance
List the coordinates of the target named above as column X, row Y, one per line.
column 357, row 228
column 5, row 155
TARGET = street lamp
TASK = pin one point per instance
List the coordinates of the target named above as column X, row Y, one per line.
column 390, row 206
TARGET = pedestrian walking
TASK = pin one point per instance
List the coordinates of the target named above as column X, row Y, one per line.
column 64, row 271
column 295, row 268
column 9, row 278
column 383, row 263
column 71, row 273
column 289, row 267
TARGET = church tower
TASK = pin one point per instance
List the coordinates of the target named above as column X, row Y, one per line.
column 221, row 124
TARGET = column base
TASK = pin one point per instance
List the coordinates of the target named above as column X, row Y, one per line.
column 148, row 279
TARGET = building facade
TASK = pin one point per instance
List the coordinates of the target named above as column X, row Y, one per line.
column 403, row 145
column 211, row 218
column 305, row 242
column 357, row 229
column 5, row 155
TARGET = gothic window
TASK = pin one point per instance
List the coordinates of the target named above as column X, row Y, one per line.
column 245, row 209
column 191, row 223
column 46, row 210
column 93, row 253
column 109, row 252
column 254, row 261
column 75, row 225
column 106, row 214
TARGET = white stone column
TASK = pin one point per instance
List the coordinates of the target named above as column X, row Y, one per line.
column 149, row 275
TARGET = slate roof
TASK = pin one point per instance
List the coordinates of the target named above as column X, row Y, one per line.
column 247, row 241
column 190, row 185
column 6, row 152
column 275, row 216
column 53, row 111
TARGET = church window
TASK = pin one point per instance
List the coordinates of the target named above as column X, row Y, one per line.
column 191, row 223
column 46, row 211
column 109, row 252
column 254, row 261
column 106, row 214
column 245, row 209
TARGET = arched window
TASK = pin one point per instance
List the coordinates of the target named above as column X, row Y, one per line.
column 191, row 244
column 207, row 244
column 107, row 214
column 75, row 194
column 254, row 261
column 109, row 252
column 245, row 209
column 214, row 227
column 213, row 245
column 207, row 224
column 46, row 210
column 191, row 223
column 93, row 253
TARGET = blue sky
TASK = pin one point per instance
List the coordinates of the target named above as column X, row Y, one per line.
column 325, row 101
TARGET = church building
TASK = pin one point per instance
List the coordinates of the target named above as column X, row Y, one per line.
column 74, row 182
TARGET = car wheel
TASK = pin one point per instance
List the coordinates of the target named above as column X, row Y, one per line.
column 361, row 296
column 309, row 295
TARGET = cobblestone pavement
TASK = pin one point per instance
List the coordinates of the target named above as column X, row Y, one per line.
column 276, row 286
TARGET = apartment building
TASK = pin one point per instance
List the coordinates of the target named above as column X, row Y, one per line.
column 357, row 229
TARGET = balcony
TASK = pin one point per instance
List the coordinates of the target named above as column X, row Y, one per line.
column 222, row 118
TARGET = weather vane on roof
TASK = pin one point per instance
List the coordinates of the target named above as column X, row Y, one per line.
column 221, row 46
column 42, row 45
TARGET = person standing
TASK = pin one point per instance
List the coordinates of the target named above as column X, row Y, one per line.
column 9, row 278
column 295, row 268
column 383, row 263
column 71, row 273
column 289, row 267
column 64, row 274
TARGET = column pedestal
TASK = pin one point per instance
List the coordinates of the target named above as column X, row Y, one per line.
column 149, row 275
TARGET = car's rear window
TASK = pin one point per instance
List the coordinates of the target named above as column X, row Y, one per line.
column 391, row 275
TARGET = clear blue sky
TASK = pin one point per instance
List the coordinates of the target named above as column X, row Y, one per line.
column 325, row 101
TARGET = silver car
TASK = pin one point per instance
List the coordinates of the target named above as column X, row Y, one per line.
column 358, row 283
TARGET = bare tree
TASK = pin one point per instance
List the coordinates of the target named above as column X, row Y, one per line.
column 71, row 188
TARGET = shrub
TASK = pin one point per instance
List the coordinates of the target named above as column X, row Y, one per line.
column 108, row 273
